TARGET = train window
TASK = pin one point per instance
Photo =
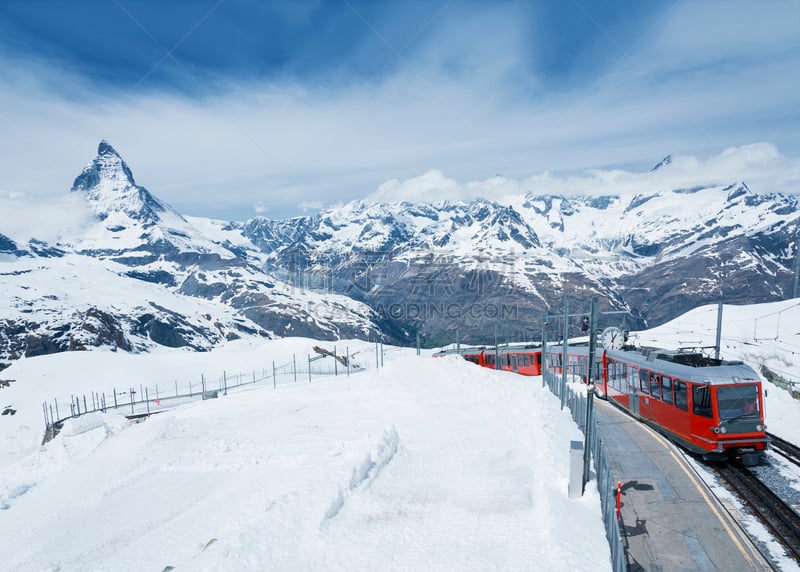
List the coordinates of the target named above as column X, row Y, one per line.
column 701, row 400
column 538, row 359
column 680, row 394
column 633, row 374
column 525, row 359
column 655, row 386
column 666, row 389
column 644, row 380
column 616, row 375
column 597, row 377
column 490, row 359
column 514, row 361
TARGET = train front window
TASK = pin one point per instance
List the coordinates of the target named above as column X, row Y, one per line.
column 737, row 401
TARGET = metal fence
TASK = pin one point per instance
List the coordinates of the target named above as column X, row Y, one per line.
column 578, row 405
column 145, row 400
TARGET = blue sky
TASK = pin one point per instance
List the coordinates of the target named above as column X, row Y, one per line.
column 232, row 108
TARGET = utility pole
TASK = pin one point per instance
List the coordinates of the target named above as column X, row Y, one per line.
column 719, row 330
column 544, row 348
column 564, row 352
column 587, row 430
column 592, row 340
column 796, row 267
column 496, row 351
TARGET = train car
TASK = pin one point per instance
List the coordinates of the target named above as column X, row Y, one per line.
column 709, row 406
column 577, row 362
column 524, row 360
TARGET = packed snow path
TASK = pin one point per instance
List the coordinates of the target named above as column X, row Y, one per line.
column 427, row 464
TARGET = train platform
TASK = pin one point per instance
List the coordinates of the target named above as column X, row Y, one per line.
column 670, row 520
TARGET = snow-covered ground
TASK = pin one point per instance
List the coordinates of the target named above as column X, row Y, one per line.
column 430, row 464
column 424, row 464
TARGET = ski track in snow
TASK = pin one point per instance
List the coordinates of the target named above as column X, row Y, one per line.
column 366, row 472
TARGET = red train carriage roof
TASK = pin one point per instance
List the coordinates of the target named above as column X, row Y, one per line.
column 694, row 367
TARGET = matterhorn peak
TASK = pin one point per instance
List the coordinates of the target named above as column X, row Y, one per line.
column 107, row 166
column 105, row 148
column 110, row 188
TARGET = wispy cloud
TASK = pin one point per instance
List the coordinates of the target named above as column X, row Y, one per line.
column 50, row 219
column 760, row 165
column 468, row 98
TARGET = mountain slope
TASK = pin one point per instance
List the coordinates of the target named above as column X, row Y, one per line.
column 469, row 265
column 141, row 275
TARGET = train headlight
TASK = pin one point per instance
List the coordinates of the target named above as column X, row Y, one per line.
column 719, row 429
column 761, row 427
column 723, row 429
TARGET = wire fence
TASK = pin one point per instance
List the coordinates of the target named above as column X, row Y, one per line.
column 583, row 414
column 139, row 402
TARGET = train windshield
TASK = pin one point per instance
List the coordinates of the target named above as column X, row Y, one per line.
column 737, row 401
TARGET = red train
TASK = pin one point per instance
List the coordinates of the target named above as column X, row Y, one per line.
column 709, row 406
column 524, row 360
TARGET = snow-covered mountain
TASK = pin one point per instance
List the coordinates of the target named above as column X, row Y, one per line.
column 463, row 265
column 140, row 274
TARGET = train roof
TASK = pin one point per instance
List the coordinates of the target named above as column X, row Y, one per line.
column 689, row 365
column 490, row 350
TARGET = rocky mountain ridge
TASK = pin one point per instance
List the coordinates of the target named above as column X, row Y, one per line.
column 142, row 275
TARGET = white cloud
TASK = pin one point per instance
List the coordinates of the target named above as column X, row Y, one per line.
column 293, row 146
column 48, row 218
column 432, row 186
column 760, row 165
column 306, row 206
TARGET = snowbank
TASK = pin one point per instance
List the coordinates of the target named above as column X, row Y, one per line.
column 431, row 464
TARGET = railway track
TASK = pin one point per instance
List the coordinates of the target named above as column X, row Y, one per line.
column 788, row 451
column 781, row 520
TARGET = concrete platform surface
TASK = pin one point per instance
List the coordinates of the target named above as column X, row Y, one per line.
column 670, row 520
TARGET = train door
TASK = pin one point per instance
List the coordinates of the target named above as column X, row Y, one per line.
column 633, row 389
column 682, row 424
column 514, row 362
column 702, row 414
